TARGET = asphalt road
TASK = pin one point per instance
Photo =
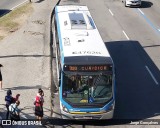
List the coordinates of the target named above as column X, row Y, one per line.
column 8, row 5
column 133, row 42
column 132, row 36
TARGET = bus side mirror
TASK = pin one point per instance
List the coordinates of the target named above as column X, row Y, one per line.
column 59, row 82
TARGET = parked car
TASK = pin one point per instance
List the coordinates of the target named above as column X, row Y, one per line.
column 129, row 3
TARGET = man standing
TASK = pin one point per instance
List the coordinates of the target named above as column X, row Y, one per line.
column 0, row 77
column 9, row 100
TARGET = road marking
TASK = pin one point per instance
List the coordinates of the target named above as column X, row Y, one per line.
column 141, row 11
column 151, row 75
column 148, row 21
column 125, row 35
column 110, row 12
column 19, row 5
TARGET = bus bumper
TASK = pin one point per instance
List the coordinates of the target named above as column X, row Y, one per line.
column 107, row 115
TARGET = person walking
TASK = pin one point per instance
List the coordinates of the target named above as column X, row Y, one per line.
column 0, row 77
column 39, row 104
column 15, row 111
column 9, row 100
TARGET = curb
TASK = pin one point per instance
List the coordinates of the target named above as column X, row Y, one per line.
column 19, row 5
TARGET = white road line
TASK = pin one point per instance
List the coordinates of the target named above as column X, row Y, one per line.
column 141, row 11
column 152, row 75
column 125, row 35
column 18, row 5
column 110, row 12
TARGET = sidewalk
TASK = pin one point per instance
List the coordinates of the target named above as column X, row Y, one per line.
column 25, row 56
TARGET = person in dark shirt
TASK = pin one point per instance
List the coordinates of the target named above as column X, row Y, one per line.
column 9, row 100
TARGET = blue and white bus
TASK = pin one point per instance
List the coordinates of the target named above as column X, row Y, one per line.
column 85, row 68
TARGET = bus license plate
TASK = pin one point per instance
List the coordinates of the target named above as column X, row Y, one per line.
column 87, row 117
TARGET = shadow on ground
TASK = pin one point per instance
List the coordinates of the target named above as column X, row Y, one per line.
column 21, row 87
column 4, row 12
column 146, row 4
column 12, row 56
column 137, row 93
column 39, row 1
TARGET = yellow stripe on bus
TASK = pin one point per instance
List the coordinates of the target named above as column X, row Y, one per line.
column 86, row 112
column 78, row 112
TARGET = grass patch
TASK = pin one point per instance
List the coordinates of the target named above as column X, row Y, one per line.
column 14, row 19
column 1, row 37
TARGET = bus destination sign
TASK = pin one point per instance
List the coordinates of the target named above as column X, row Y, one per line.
column 87, row 68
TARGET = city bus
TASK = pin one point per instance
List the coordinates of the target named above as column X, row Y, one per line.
column 85, row 68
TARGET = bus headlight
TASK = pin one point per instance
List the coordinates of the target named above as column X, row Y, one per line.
column 65, row 109
column 110, row 108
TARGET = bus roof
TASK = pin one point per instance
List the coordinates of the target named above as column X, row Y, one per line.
column 78, row 35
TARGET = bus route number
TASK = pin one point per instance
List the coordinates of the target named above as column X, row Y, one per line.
column 73, row 68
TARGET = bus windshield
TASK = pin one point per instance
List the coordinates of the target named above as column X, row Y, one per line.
column 87, row 89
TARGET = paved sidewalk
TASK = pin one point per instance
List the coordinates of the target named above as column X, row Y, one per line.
column 26, row 56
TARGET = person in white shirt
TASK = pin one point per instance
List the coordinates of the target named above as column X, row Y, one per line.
column 15, row 111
